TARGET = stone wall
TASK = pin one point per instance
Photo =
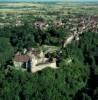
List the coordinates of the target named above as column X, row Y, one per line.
column 17, row 65
column 43, row 66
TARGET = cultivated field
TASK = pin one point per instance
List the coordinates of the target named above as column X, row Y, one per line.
column 9, row 12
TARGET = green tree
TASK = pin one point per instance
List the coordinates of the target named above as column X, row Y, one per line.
column 6, row 50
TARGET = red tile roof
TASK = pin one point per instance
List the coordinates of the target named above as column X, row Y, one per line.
column 21, row 58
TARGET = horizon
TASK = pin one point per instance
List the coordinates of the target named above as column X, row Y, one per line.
column 48, row 0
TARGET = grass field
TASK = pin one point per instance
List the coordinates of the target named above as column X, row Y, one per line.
column 45, row 10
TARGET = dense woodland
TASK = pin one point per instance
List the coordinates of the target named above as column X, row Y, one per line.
column 75, row 81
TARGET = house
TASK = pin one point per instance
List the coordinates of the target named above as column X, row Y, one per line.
column 41, row 25
column 2, row 25
column 21, row 61
column 58, row 23
column 18, row 23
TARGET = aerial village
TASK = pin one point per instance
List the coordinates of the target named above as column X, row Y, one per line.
column 49, row 50
column 34, row 59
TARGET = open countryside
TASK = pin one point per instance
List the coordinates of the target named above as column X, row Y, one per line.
column 49, row 50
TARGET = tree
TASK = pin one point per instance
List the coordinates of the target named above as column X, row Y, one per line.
column 23, row 38
column 6, row 50
column 75, row 75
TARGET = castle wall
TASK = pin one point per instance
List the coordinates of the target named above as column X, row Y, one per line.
column 43, row 66
column 17, row 65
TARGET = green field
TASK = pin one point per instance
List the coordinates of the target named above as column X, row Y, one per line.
column 43, row 8
column 10, row 11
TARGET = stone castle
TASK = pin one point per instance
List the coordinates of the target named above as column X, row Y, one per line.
column 33, row 60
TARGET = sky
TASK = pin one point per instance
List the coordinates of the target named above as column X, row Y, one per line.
column 47, row 0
